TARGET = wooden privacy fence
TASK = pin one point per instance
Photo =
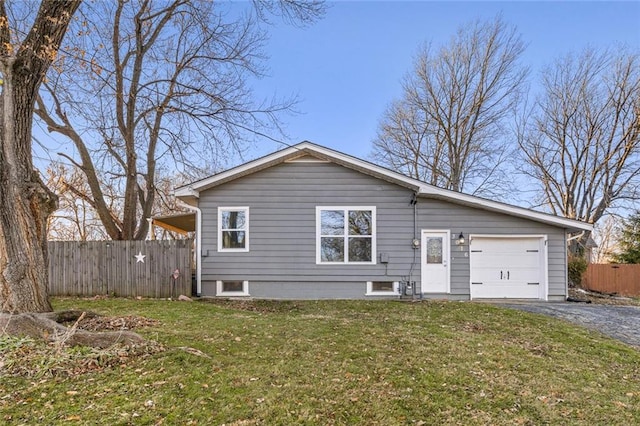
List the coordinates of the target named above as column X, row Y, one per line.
column 606, row 278
column 120, row 268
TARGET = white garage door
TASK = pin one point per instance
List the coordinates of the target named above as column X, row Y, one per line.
column 512, row 268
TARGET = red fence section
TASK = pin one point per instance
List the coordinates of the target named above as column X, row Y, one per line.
column 620, row 279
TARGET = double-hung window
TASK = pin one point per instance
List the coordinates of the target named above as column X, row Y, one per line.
column 233, row 228
column 345, row 235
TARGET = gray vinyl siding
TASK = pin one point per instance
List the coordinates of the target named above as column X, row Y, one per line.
column 282, row 203
column 281, row 262
column 436, row 214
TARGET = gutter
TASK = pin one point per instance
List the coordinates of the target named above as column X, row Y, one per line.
column 198, row 251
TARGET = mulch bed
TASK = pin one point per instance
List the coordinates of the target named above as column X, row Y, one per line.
column 589, row 296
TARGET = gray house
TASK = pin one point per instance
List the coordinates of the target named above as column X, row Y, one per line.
column 309, row 222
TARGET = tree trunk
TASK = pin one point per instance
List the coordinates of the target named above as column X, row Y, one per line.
column 45, row 326
column 25, row 202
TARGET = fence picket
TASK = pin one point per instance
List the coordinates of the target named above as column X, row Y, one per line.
column 609, row 278
column 90, row 268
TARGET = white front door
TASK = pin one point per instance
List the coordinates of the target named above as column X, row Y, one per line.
column 435, row 261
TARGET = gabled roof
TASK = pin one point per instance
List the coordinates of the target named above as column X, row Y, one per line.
column 310, row 152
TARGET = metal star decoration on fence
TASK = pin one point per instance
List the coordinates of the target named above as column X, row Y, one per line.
column 140, row 257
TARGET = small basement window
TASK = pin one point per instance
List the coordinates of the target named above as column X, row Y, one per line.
column 232, row 288
column 383, row 288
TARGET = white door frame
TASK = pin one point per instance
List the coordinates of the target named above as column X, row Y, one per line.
column 544, row 261
column 446, row 257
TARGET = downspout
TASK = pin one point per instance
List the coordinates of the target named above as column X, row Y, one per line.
column 566, row 271
column 198, row 251
column 575, row 237
column 566, row 256
column 415, row 245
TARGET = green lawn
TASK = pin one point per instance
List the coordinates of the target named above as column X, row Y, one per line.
column 332, row 362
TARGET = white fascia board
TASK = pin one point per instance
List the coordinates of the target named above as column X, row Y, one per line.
column 471, row 200
column 186, row 191
column 194, row 189
column 426, row 189
column 191, row 191
column 365, row 166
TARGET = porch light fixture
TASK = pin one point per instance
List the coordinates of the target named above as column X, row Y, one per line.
column 460, row 240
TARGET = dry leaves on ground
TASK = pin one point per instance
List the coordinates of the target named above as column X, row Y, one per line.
column 129, row 322
column 588, row 296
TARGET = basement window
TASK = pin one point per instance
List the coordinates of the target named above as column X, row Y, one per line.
column 232, row 288
column 383, row 288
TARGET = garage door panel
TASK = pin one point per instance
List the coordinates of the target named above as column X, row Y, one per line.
column 486, row 275
column 508, row 260
column 515, row 277
column 501, row 290
column 506, row 244
column 525, row 277
column 506, row 267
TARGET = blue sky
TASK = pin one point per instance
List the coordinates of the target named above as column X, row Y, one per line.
column 347, row 67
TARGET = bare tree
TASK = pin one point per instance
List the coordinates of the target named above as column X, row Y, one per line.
column 605, row 235
column 448, row 126
column 581, row 141
column 148, row 84
column 25, row 202
column 75, row 218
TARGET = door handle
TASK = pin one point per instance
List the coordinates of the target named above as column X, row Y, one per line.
column 507, row 274
column 500, row 274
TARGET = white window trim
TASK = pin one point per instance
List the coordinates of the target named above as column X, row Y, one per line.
column 395, row 292
column 246, row 231
column 374, row 251
column 244, row 292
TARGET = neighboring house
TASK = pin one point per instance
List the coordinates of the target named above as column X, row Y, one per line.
column 309, row 222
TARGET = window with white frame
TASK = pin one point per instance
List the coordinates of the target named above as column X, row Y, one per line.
column 345, row 235
column 232, row 288
column 233, row 228
column 383, row 288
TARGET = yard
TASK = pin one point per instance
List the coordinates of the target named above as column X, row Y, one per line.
column 329, row 362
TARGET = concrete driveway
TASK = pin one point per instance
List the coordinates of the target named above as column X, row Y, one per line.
column 620, row 322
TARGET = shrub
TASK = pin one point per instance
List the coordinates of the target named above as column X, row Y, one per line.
column 576, row 266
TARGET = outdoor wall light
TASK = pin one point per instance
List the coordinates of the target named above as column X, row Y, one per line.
column 460, row 241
